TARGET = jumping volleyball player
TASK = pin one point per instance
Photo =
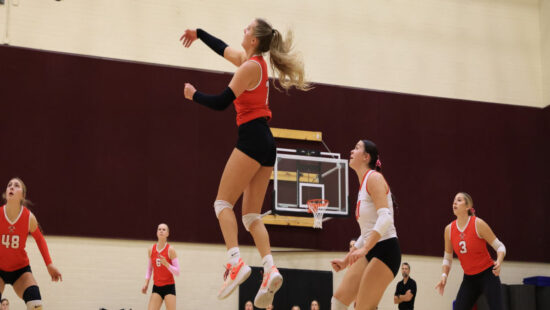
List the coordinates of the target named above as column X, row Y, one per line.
column 250, row 165
column 163, row 264
column 16, row 222
column 468, row 236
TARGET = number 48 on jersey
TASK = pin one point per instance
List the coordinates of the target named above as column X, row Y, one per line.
column 13, row 243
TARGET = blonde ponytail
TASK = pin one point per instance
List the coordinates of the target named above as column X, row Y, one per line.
column 287, row 65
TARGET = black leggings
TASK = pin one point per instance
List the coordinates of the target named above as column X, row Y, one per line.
column 473, row 286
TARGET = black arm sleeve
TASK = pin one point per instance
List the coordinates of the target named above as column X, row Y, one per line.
column 216, row 102
column 214, row 43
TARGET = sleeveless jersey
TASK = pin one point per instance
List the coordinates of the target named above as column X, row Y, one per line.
column 470, row 248
column 14, row 239
column 365, row 211
column 161, row 275
column 253, row 103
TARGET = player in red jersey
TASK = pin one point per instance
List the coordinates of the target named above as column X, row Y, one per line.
column 16, row 222
column 468, row 236
column 163, row 264
column 250, row 165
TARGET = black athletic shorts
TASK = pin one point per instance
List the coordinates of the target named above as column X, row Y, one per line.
column 164, row 290
column 256, row 141
column 10, row 277
column 472, row 286
column 389, row 252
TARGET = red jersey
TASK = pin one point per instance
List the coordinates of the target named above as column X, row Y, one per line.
column 161, row 275
column 14, row 238
column 253, row 103
column 470, row 248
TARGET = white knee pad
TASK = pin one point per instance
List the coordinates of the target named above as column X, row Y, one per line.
column 219, row 205
column 34, row 305
column 250, row 218
column 337, row 305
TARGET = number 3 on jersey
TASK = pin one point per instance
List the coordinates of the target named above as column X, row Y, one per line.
column 462, row 245
column 14, row 244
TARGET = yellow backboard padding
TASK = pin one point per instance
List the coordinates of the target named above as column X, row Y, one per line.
column 291, row 176
column 274, row 219
column 297, row 134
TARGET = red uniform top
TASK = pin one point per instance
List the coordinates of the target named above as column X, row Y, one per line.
column 253, row 103
column 14, row 238
column 161, row 275
column 470, row 248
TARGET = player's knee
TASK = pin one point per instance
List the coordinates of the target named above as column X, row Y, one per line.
column 337, row 305
column 219, row 205
column 250, row 218
column 32, row 298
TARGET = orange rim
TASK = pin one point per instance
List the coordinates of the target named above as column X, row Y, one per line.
column 314, row 204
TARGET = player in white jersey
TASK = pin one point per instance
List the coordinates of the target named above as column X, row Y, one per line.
column 376, row 259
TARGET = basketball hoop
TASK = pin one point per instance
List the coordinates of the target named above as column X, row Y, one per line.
column 318, row 208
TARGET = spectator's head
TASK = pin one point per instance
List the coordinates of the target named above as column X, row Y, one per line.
column 5, row 305
column 352, row 243
column 314, row 305
column 248, row 305
column 295, row 307
column 270, row 307
column 405, row 270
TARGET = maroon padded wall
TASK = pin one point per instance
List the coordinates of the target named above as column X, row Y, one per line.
column 110, row 148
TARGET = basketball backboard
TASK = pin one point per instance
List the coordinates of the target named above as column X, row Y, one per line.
column 301, row 175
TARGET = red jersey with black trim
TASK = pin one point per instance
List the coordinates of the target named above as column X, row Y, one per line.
column 470, row 248
column 254, row 103
column 14, row 239
column 161, row 275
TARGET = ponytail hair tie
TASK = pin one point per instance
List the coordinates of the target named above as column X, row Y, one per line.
column 378, row 163
column 473, row 210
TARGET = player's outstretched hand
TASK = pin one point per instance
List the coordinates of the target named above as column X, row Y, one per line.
column 496, row 268
column 357, row 254
column 54, row 273
column 338, row 264
column 440, row 287
column 189, row 91
column 188, row 37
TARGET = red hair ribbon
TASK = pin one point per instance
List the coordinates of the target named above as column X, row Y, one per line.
column 378, row 163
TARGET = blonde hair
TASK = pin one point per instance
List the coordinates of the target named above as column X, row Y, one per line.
column 469, row 202
column 287, row 65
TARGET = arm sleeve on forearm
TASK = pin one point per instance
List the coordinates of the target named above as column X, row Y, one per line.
column 360, row 242
column 211, row 41
column 175, row 267
column 42, row 246
column 149, row 271
column 216, row 102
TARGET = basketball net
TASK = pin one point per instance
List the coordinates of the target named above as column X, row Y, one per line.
column 318, row 208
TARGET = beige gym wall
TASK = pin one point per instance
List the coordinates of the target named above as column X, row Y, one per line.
column 110, row 273
column 479, row 50
column 545, row 49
